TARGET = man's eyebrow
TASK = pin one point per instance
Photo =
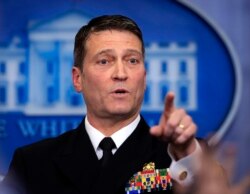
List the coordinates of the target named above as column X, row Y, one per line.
column 104, row 52
column 134, row 51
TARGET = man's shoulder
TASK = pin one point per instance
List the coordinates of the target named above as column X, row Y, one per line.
column 49, row 145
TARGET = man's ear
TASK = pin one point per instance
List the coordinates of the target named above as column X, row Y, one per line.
column 77, row 79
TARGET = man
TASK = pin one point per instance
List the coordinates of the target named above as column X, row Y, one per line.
column 109, row 71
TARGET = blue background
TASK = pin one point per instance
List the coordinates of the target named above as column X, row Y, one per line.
column 14, row 16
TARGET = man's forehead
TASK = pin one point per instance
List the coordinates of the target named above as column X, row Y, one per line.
column 107, row 38
column 111, row 34
column 128, row 51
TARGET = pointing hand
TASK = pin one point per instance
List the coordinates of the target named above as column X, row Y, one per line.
column 177, row 128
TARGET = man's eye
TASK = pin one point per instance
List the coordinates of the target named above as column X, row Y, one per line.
column 103, row 62
column 133, row 61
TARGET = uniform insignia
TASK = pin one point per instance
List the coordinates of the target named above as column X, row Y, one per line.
column 149, row 180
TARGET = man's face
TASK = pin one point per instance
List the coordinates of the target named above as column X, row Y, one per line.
column 113, row 78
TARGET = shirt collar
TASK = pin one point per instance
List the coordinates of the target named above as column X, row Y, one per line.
column 118, row 137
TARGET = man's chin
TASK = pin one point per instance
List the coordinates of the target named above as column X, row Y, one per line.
column 122, row 112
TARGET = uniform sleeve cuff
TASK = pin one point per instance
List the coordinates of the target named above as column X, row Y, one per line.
column 184, row 169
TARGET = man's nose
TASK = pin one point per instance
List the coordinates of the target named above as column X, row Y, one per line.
column 120, row 71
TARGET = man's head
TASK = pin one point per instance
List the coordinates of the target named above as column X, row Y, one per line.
column 106, row 22
column 109, row 68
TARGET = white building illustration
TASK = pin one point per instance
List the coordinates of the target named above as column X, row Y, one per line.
column 171, row 68
column 36, row 79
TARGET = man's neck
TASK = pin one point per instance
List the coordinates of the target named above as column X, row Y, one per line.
column 108, row 126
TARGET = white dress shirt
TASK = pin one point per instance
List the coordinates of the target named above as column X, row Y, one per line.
column 182, row 170
column 118, row 137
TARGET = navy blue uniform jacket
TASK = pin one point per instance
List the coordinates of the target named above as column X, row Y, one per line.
column 68, row 164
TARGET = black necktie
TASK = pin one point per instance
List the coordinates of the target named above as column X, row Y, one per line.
column 107, row 144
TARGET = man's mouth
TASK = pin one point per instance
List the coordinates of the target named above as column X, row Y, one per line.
column 120, row 91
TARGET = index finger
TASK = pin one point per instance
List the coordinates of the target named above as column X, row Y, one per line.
column 169, row 104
